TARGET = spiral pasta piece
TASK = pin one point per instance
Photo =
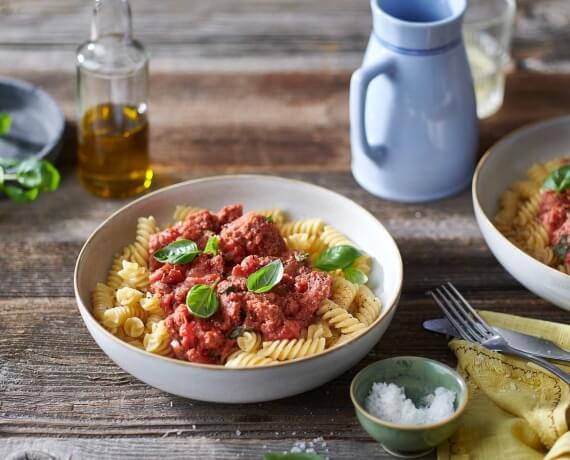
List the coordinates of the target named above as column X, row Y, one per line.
column 368, row 305
column 134, row 327
column 241, row 358
column 318, row 330
column 343, row 292
column 332, row 237
column 312, row 227
column 525, row 188
column 528, row 212
column 338, row 318
column 300, row 242
column 151, row 304
column 158, row 341
column 114, row 281
column 284, row 350
column 127, row 296
column 115, row 317
column 146, row 226
column 103, row 299
column 538, row 173
column 249, row 341
column 134, row 275
column 151, row 321
column 182, row 212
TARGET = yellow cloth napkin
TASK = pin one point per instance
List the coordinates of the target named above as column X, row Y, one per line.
column 515, row 410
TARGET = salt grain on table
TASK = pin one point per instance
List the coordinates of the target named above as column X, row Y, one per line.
column 388, row 402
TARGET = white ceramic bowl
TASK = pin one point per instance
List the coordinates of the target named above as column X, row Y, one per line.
column 216, row 383
column 505, row 162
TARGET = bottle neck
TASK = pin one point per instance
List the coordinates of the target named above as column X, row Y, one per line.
column 112, row 18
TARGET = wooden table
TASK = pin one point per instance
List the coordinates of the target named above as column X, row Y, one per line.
column 59, row 394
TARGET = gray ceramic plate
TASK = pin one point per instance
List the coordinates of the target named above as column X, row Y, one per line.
column 37, row 121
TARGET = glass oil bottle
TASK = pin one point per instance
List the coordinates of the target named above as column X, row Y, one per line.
column 112, row 86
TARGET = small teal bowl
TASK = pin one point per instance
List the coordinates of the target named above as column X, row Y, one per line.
column 419, row 377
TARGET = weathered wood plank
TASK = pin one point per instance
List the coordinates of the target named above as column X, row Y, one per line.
column 181, row 446
column 254, row 35
column 292, row 122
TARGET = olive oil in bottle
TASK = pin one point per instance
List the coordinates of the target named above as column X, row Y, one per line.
column 113, row 130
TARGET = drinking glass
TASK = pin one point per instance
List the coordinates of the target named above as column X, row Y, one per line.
column 487, row 31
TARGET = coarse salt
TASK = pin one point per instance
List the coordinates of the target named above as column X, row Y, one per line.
column 388, row 402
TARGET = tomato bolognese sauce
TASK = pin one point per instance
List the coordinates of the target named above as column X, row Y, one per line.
column 235, row 288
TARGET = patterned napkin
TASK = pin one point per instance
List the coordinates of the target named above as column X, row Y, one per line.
column 515, row 410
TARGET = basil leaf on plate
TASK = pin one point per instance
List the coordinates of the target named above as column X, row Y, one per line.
column 202, row 301
column 179, row 252
column 354, row 275
column 28, row 173
column 341, row 256
column 561, row 249
column 20, row 195
column 558, row 180
column 264, row 279
column 269, row 219
column 292, row 456
column 213, row 245
column 5, row 123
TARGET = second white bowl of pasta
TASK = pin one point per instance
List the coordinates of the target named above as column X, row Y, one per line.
column 228, row 305
column 521, row 202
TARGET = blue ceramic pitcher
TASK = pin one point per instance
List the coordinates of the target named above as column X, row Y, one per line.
column 413, row 120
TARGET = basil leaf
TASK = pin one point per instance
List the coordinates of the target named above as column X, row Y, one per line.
column 20, row 195
column 337, row 257
column 29, row 174
column 202, row 301
column 8, row 163
column 561, row 249
column 5, row 123
column 292, row 456
column 354, row 275
column 50, row 177
column 179, row 252
column 269, row 219
column 558, row 180
column 213, row 245
column 264, row 279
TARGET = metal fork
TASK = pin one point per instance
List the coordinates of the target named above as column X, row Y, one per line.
column 473, row 328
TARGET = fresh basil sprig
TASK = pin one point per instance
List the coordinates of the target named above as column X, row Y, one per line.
column 558, row 180
column 342, row 257
column 212, row 246
column 202, row 300
column 264, row 279
column 292, row 456
column 179, row 252
column 22, row 181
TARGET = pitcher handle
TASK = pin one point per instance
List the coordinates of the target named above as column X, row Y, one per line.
column 359, row 82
